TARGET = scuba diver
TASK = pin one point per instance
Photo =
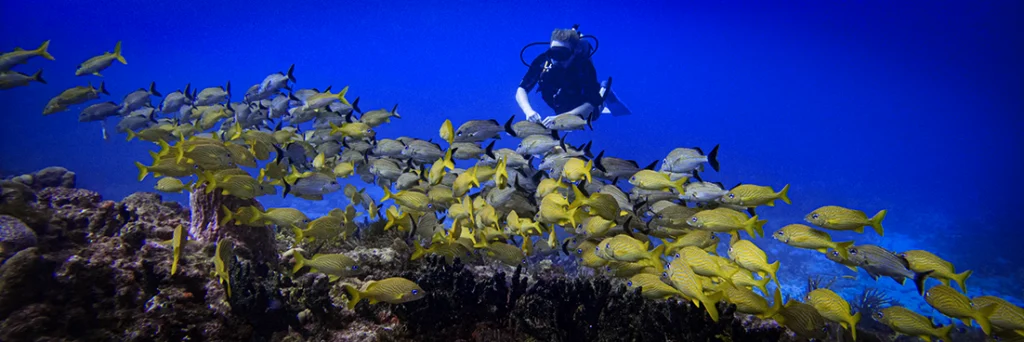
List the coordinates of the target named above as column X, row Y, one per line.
column 566, row 78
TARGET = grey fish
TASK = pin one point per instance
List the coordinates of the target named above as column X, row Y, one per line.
column 478, row 130
column 313, row 187
column 325, row 121
column 358, row 145
column 174, row 101
column 253, row 94
column 377, row 117
column 422, row 151
column 683, row 160
column 513, row 159
column 99, row 111
column 213, row 95
column 703, row 191
column 134, row 122
column 385, row 168
column 388, row 148
column 138, row 99
column 466, row 151
column 73, row 96
column 344, row 109
column 12, row 79
column 302, row 94
column 538, row 144
column 523, row 129
column 329, row 148
column 278, row 106
column 276, row 81
column 569, row 122
column 300, row 115
column 611, row 168
column 878, row 261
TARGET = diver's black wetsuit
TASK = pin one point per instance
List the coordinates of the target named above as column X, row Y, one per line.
column 564, row 89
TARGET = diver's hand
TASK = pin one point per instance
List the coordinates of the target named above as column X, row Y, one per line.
column 533, row 116
column 548, row 120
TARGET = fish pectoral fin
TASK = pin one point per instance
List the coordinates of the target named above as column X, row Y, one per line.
column 374, row 301
column 97, row 74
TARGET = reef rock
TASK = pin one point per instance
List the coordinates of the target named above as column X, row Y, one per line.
column 14, row 236
column 53, row 176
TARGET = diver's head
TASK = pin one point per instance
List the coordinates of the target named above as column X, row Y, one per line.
column 565, row 44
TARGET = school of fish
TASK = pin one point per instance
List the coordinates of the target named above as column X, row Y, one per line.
column 657, row 227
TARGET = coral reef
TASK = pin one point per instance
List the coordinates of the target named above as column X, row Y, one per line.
column 100, row 270
column 51, row 177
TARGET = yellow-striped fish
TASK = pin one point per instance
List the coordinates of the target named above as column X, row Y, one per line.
column 802, row 236
column 921, row 261
column 951, row 303
column 652, row 287
column 839, row 218
column 391, row 290
column 834, row 308
column 1006, row 316
column 910, row 323
column 752, row 258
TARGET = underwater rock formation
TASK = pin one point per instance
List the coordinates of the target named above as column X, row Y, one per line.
column 207, row 224
column 50, row 177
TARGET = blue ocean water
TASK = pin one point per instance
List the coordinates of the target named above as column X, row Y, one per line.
column 915, row 106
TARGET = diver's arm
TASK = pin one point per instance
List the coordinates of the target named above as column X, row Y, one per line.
column 523, row 99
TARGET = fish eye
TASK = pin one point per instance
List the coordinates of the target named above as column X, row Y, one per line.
column 664, row 274
column 693, row 219
column 835, row 254
column 415, row 291
column 780, row 233
column 629, row 283
column 880, row 315
column 355, row 267
column 597, row 249
column 579, row 251
column 814, row 216
column 852, row 251
column 677, row 255
column 732, row 196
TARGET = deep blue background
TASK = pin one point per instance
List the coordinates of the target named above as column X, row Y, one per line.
column 914, row 106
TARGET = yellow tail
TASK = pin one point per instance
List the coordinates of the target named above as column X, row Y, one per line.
column 354, row 296
column 299, row 236
column 982, row 317
column 710, row 304
column 962, row 279
column 844, row 249
column 300, row 261
column 943, row 332
column 117, row 53
column 784, row 194
column 773, row 269
column 680, row 185
column 143, row 170
column 418, row 251
column 876, row 222
column 341, row 96
column 588, row 167
column 42, row 50
column 853, row 325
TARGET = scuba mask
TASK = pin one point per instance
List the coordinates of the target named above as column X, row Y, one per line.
column 554, row 54
column 559, row 53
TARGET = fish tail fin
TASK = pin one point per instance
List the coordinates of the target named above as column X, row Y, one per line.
column 117, row 53
column 844, row 249
column 655, row 257
column 341, row 96
column 876, row 222
column 713, row 158
column 853, row 324
column 299, row 235
column 228, row 216
column 392, row 220
column 387, row 194
column 919, row 279
column 762, row 285
column 354, row 296
column 982, row 317
column 42, row 50
column 773, row 269
column 418, row 251
column 943, row 332
column 680, row 185
column 710, row 303
column 103, row 88
column 131, row 135
column 784, row 194
column 753, row 225
column 300, row 261
column 962, row 279
column 776, row 304
column 143, row 170
column 38, row 76
column 586, row 171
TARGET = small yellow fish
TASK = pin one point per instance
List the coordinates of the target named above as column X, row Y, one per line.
column 839, row 218
column 652, row 287
column 281, row 217
column 178, row 243
column 409, row 199
column 356, row 130
column 725, row 220
column 654, row 180
column 748, row 302
column 749, row 195
column 689, row 284
column 334, row 265
column 704, row 264
column 803, row 320
column 752, row 258
column 19, row 56
column 699, row 238
column 325, row 227
column 96, row 64
column 447, row 132
column 955, row 305
column 344, row 170
column 921, row 261
column 576, row 170
column 222, row 259
column 801, row 236
column 1006, row 316
column 834, row 308
column 390, row 290
column 172, row 185
column 910, row 323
